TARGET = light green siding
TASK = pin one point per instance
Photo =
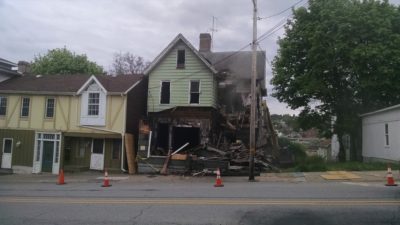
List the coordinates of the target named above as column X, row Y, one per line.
column 180, row 79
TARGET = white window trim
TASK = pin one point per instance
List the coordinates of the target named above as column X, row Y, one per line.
column 4, row 97
column 37, row 164
column 54, row 108
column 190, row 92
column 103, row 146
column 93, row 120
column 22, row 106
column 12, row 144
column 161, row 82
column 87, row 103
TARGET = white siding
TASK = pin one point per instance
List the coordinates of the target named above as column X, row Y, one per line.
column 373, row 133
column 99, row 120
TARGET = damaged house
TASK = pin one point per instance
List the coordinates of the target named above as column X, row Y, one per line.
column 199, row 99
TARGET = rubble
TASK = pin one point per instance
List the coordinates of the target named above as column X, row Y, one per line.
column 204, row 160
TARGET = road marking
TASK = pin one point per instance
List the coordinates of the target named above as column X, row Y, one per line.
column 194, row 201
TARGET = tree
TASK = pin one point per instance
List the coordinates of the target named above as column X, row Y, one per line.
column 63, row 61
column 127, row 63
column 338, row 59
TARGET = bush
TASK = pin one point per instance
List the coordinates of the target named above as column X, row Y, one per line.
column 311, row 164
column 299, row 152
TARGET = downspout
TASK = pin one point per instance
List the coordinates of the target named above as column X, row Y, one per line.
column 123, row 134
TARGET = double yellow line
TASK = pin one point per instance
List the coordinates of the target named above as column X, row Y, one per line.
column 201, row 201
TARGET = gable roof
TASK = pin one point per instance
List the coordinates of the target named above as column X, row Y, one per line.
column 381, row 110
column 162, row 55
column 88, row 82
column 67, row 84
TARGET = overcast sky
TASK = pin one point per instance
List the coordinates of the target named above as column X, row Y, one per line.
column 100, row 28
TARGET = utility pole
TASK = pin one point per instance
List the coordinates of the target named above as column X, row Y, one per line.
column 253, row 95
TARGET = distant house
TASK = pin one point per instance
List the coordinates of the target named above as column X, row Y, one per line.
column 201, row 98
column 380, row 134
column 68, row 121
column 8, row 70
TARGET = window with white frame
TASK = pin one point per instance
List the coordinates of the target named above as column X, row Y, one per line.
column 165, row 92
column 98, row 146
column 50, row 106
column 386, row 134
column 93, row 103
column 7, row 145
column 194, row 92
column 3, row 105
column 25, row 106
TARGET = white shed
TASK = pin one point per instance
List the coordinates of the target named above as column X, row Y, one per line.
column 381, row 135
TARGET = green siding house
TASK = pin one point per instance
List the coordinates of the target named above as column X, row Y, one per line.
column 182, row 99
column 199, row 99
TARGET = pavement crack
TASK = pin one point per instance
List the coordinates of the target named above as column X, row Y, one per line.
column 140, row 214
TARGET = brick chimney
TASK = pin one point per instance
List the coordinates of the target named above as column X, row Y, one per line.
column 205, row 42
column 24, row 67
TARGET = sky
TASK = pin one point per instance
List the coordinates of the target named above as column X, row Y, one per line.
column 101, row 28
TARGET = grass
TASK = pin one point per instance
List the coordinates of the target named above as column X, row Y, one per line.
column 304, row 163
column 317, row 164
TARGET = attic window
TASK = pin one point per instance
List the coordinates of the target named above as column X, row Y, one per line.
column 180, row 62
column 93, row 104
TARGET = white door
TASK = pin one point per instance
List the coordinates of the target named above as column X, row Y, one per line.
column 7, row 153
column 97, row 156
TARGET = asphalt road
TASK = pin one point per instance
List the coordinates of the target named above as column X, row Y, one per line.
column 175, row 202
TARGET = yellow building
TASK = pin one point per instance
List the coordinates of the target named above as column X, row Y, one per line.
column 75, row 122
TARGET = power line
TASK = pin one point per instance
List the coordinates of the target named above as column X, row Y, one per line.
column 277, row 27
column 281, row 12
column 202, row 70
column 265, row 35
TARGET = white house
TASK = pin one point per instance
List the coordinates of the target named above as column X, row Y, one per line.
column 381, row 135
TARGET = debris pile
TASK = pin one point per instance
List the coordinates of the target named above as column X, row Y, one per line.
column 234, row 160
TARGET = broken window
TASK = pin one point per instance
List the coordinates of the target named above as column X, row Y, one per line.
column 165, row 92
column 194, row 92
column 180, row 62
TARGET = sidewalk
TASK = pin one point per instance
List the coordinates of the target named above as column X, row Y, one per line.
column 293, row 177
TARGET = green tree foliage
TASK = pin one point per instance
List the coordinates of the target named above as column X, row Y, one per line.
column 339, row 58
column 63, row 61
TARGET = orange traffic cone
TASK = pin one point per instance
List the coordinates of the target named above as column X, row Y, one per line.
column 218, row 182
column 61, row 177
column 106, row 182
column 389, row 176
